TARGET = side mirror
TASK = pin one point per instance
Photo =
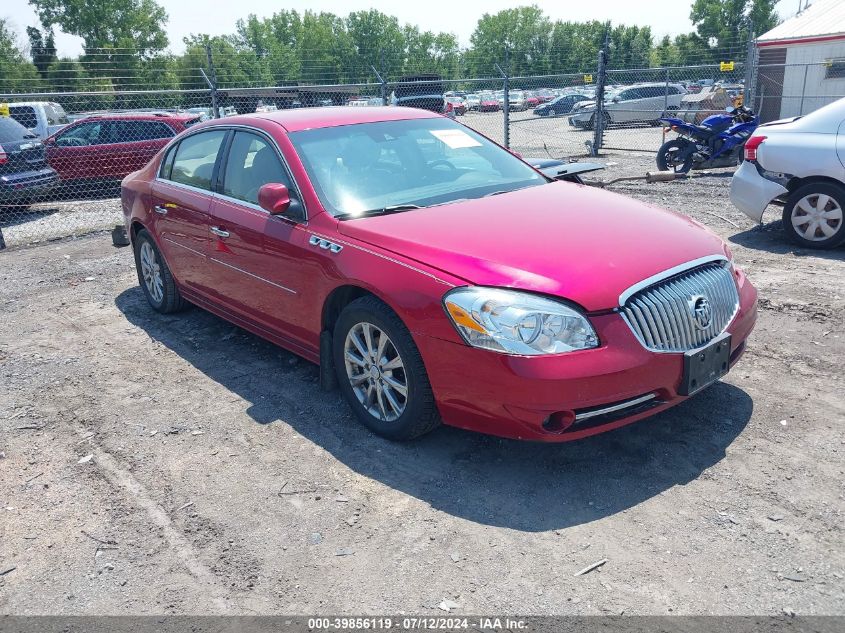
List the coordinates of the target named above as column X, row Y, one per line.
column 274, row 198
column 615, row 99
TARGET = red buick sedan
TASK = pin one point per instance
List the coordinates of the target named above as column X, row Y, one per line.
column 435, row 276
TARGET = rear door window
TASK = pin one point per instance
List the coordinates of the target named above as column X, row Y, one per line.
column 56, row 114
column 25, row 115
column 193, row 163
column 136, row 131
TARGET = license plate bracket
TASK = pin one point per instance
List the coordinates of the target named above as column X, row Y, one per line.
column 704, row 366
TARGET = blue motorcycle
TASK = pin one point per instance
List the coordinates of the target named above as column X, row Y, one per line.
column 717, row 142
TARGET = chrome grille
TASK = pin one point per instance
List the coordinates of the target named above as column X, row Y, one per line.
column 662, row 316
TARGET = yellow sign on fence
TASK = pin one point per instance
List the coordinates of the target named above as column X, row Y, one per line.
column 726, row 67
column 588, row 79
column 4, row 109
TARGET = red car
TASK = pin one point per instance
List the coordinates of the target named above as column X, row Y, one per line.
column 489, row 104
column 434, row 276
column 102, row 149
column 456, row 105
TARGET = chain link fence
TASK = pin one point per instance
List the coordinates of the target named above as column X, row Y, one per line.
column 64, row 153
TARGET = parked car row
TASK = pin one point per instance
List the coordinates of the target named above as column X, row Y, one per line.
column 90, row 155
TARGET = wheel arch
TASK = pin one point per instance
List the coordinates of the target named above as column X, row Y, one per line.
column 136, row 227
column 796, row 182
column 342, row 296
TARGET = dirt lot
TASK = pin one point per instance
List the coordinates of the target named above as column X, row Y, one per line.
column 176, row 464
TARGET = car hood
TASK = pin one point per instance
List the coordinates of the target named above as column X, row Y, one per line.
column 563, row 239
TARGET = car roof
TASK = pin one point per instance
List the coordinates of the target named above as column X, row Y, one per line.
column 140, row 116
column 333, row 116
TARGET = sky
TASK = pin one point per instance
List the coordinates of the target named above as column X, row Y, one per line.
column 215, row 17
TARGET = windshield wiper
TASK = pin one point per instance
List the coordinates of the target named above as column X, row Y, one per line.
column 396, row 208
column 498, row 193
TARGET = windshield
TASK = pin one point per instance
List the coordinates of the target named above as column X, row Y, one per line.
column 371, row 167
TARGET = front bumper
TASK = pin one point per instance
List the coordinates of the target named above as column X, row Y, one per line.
column 518, row 396
column 751, row 193
column 581, row 119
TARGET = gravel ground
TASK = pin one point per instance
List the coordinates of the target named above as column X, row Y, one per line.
column 176, row 464
column 47, row 221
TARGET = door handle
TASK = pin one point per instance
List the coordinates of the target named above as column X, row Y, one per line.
column 161, row 210
column 219, row 232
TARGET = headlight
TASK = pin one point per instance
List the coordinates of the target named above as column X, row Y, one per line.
column 517, row 323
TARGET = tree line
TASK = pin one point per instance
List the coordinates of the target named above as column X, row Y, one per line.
column 289, row 47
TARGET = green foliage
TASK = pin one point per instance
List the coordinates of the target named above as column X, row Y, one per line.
column 125, row 42
column 108, row 23
column 723, row 26
column 42, row 48
column 16, row 73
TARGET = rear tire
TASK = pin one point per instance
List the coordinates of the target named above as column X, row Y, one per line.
column 376, row 359
column 675, row 155
column 813, row 215
column 154, row 276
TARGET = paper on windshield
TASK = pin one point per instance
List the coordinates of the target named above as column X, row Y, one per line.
column 455, row 139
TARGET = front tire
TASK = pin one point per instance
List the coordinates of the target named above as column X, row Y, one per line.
column 813, row 215
column 675, row 155
column 381, row 373
column 154, row 276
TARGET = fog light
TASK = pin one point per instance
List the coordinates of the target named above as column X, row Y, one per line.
column 558, row 422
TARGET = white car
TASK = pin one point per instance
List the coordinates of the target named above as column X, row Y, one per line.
column 43, row 118
column 644, row 103
column 800, row 163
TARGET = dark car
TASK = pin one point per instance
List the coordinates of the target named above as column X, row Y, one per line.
column 96, row 153
column 24, row 172
column 421, row 91
column 559, row 105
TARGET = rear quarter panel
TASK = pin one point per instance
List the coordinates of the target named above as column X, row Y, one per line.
column 800, row 154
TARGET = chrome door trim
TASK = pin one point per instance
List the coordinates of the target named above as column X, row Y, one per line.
column 187, row 248
column 245, row 272
column 214, row 194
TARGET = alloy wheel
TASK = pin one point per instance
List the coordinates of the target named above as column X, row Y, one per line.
column 817, row 217
column 151, row 272
column 375, row 371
